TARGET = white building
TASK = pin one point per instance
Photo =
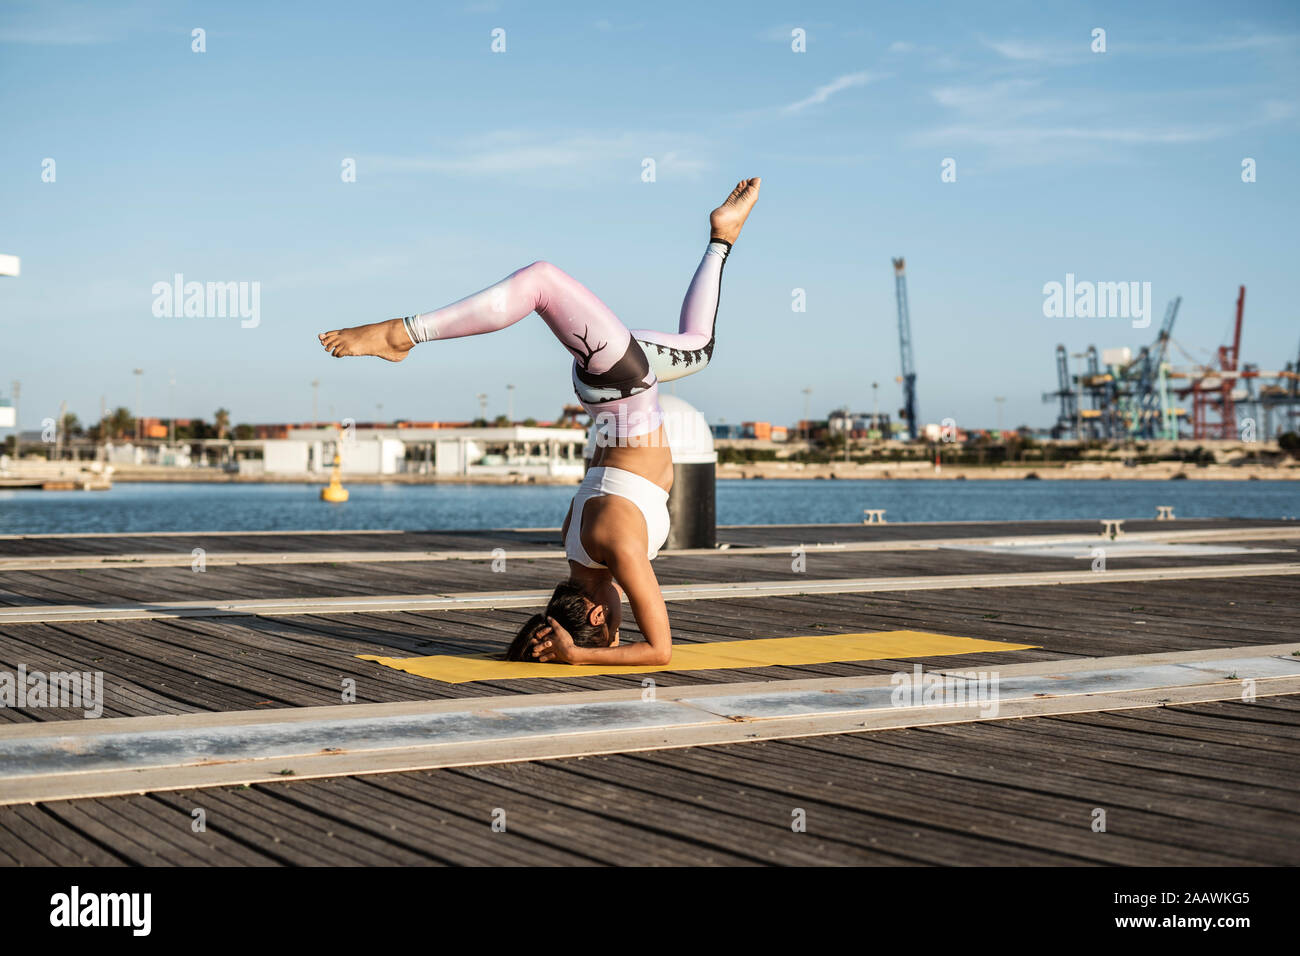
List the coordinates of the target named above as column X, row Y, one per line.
column 129, row 453
column 447, row 452
column 309, row 452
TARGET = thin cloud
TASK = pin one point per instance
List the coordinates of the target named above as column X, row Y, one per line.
column 53, row 36
column 605, row 25
column 1014, row 123
column 1276, row 110
column 781, row 34
column 1030, row 52
column 1000, row 100
column 1018, row 137
column 1019, row 50
column 1249, row 43
column 929, row 57
column 1037, row 51
column 837, row 85
column 518, row 151
column 63, row 23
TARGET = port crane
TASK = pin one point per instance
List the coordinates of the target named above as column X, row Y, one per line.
column 1126, row 396
column 1212, row 389
column 908, row 376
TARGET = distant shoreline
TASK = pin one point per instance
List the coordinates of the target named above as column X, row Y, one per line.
column 1075, row 471
column 793, row 471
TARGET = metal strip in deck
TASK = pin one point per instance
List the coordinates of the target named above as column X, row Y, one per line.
column 484, row 600
column 221, row 559
column 1083, row 549
column 71, row 759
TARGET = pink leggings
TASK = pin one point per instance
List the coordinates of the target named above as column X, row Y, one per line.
column 615, row 371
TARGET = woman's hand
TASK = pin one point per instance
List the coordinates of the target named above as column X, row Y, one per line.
column 554, row 644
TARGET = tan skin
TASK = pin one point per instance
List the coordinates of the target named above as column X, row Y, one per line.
column 614, row 534
column 613, row 529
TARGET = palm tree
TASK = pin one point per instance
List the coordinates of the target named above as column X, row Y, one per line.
column 71, row 425
column 120, row 422
column 221, row 419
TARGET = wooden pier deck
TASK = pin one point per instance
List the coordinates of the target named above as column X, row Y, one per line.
column 1206, row 781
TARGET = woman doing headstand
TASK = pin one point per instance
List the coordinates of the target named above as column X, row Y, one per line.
column 618, row 520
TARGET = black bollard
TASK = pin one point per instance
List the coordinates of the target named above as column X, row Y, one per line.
column 692, row 502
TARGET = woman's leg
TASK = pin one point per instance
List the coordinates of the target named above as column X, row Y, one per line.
column 674, row 355
column 582, row 323
column 604, row 351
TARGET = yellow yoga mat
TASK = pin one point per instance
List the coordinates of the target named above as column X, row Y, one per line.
column 717, row 655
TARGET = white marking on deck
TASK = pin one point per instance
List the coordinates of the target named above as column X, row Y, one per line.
column 484, row 600
column 1083, row 549
column 1022, row 544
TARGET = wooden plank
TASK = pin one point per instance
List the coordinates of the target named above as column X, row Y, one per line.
column 98, row 820
column 63, row 845
column 414, row 809
column 717, row 826
column 802, row 587
column 1056, row 771
column 720, row 805
column 1191, row 757
column 1147, row 837
column 1064, row 767
column 547, row 831
column 301, row 659
column 268, row 822
column 997, row 815
column 1152, row 823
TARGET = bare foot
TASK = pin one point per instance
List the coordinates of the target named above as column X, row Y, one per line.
column 727, row 220
column 388, row 340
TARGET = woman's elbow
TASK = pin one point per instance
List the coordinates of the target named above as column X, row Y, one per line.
column 662, row 656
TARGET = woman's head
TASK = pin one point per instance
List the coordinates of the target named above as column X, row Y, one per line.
column 588, row 621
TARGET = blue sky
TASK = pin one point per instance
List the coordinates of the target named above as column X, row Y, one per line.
column 225, row 166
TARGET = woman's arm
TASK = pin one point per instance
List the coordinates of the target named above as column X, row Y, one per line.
column 633, row 572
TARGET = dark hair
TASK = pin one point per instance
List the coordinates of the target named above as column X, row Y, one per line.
column 568, row 605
